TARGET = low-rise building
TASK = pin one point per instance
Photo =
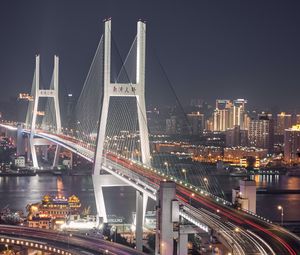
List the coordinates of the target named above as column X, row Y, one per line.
column 235, row 154
column 245, row 162
column 57, row 209
column 19, row 161
column 38, row 222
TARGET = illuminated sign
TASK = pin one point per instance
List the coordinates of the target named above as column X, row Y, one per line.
column 25, row 96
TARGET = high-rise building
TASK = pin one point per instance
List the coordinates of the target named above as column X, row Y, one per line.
column 297, row 119
column 155, row 121
column 196, row 122
column 238, row 112
column 292, row 144
column 171, row 125
column 284, row 121
column 261, row 133
column 209, row 124
column 246, row 121
column 236, row 137
column 222, row 115
column 69, row 110
column 230, row 113
column 196, row 102
column 265, row 115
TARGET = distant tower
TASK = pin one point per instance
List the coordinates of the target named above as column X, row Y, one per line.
column 38, row 93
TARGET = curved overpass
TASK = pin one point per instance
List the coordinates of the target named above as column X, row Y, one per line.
column 60, row 242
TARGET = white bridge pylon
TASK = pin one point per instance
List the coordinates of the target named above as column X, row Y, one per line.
column 136, row 90
column 50, row 93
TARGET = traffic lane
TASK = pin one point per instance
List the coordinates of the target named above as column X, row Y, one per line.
column 278, row 243
column 65, row 239
column 275, row 230
column 89, row 245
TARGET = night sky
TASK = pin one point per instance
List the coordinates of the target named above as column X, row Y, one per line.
column 209, row 49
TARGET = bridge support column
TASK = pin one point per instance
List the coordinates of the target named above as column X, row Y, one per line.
column 28, row 149
column 184, row 231
column 99, row 182
column 182, row 245
column 33, row 153
column 71, row 160
column 6, row 132
column 245, row 196
column 145, row 203
column 20, row 141
column 139, row 221
column 45, row 152
column 56, row 156
column 167, row 215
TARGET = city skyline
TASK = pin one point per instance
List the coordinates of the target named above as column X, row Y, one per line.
column 184, row 177
column 232, row 50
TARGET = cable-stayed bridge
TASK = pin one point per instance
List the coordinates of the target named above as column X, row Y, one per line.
column 110, row 130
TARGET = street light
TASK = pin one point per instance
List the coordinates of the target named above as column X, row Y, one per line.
column 192, row 195
column 206, row 183
column 167, row 165
column 281, row 208
column 211, row 248
column 184, row 172
column 69, row 235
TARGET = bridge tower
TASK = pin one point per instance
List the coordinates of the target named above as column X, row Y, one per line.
column 136, row 90
column 49, row 93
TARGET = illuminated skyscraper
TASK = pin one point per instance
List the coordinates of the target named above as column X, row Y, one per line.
column 261, row 133
column 230, row 113
column 196, row 122
column 298, row 119
column 284, row 121
column 238, row 112
column 209, row 124
column 69, row 111
column 222, row 115
column 292, row 144
column 171, row 126
column 236, row 137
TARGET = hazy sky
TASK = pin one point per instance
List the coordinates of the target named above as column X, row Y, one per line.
column 209, row 49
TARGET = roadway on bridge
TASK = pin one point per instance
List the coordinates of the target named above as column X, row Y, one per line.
column 74, row 244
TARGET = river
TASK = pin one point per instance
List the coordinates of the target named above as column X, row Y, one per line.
column 17, row 192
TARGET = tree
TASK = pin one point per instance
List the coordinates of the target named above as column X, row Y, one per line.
column 250, row 162
column 151, row 241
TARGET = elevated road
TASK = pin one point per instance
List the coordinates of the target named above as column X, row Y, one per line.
column 60, row 242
